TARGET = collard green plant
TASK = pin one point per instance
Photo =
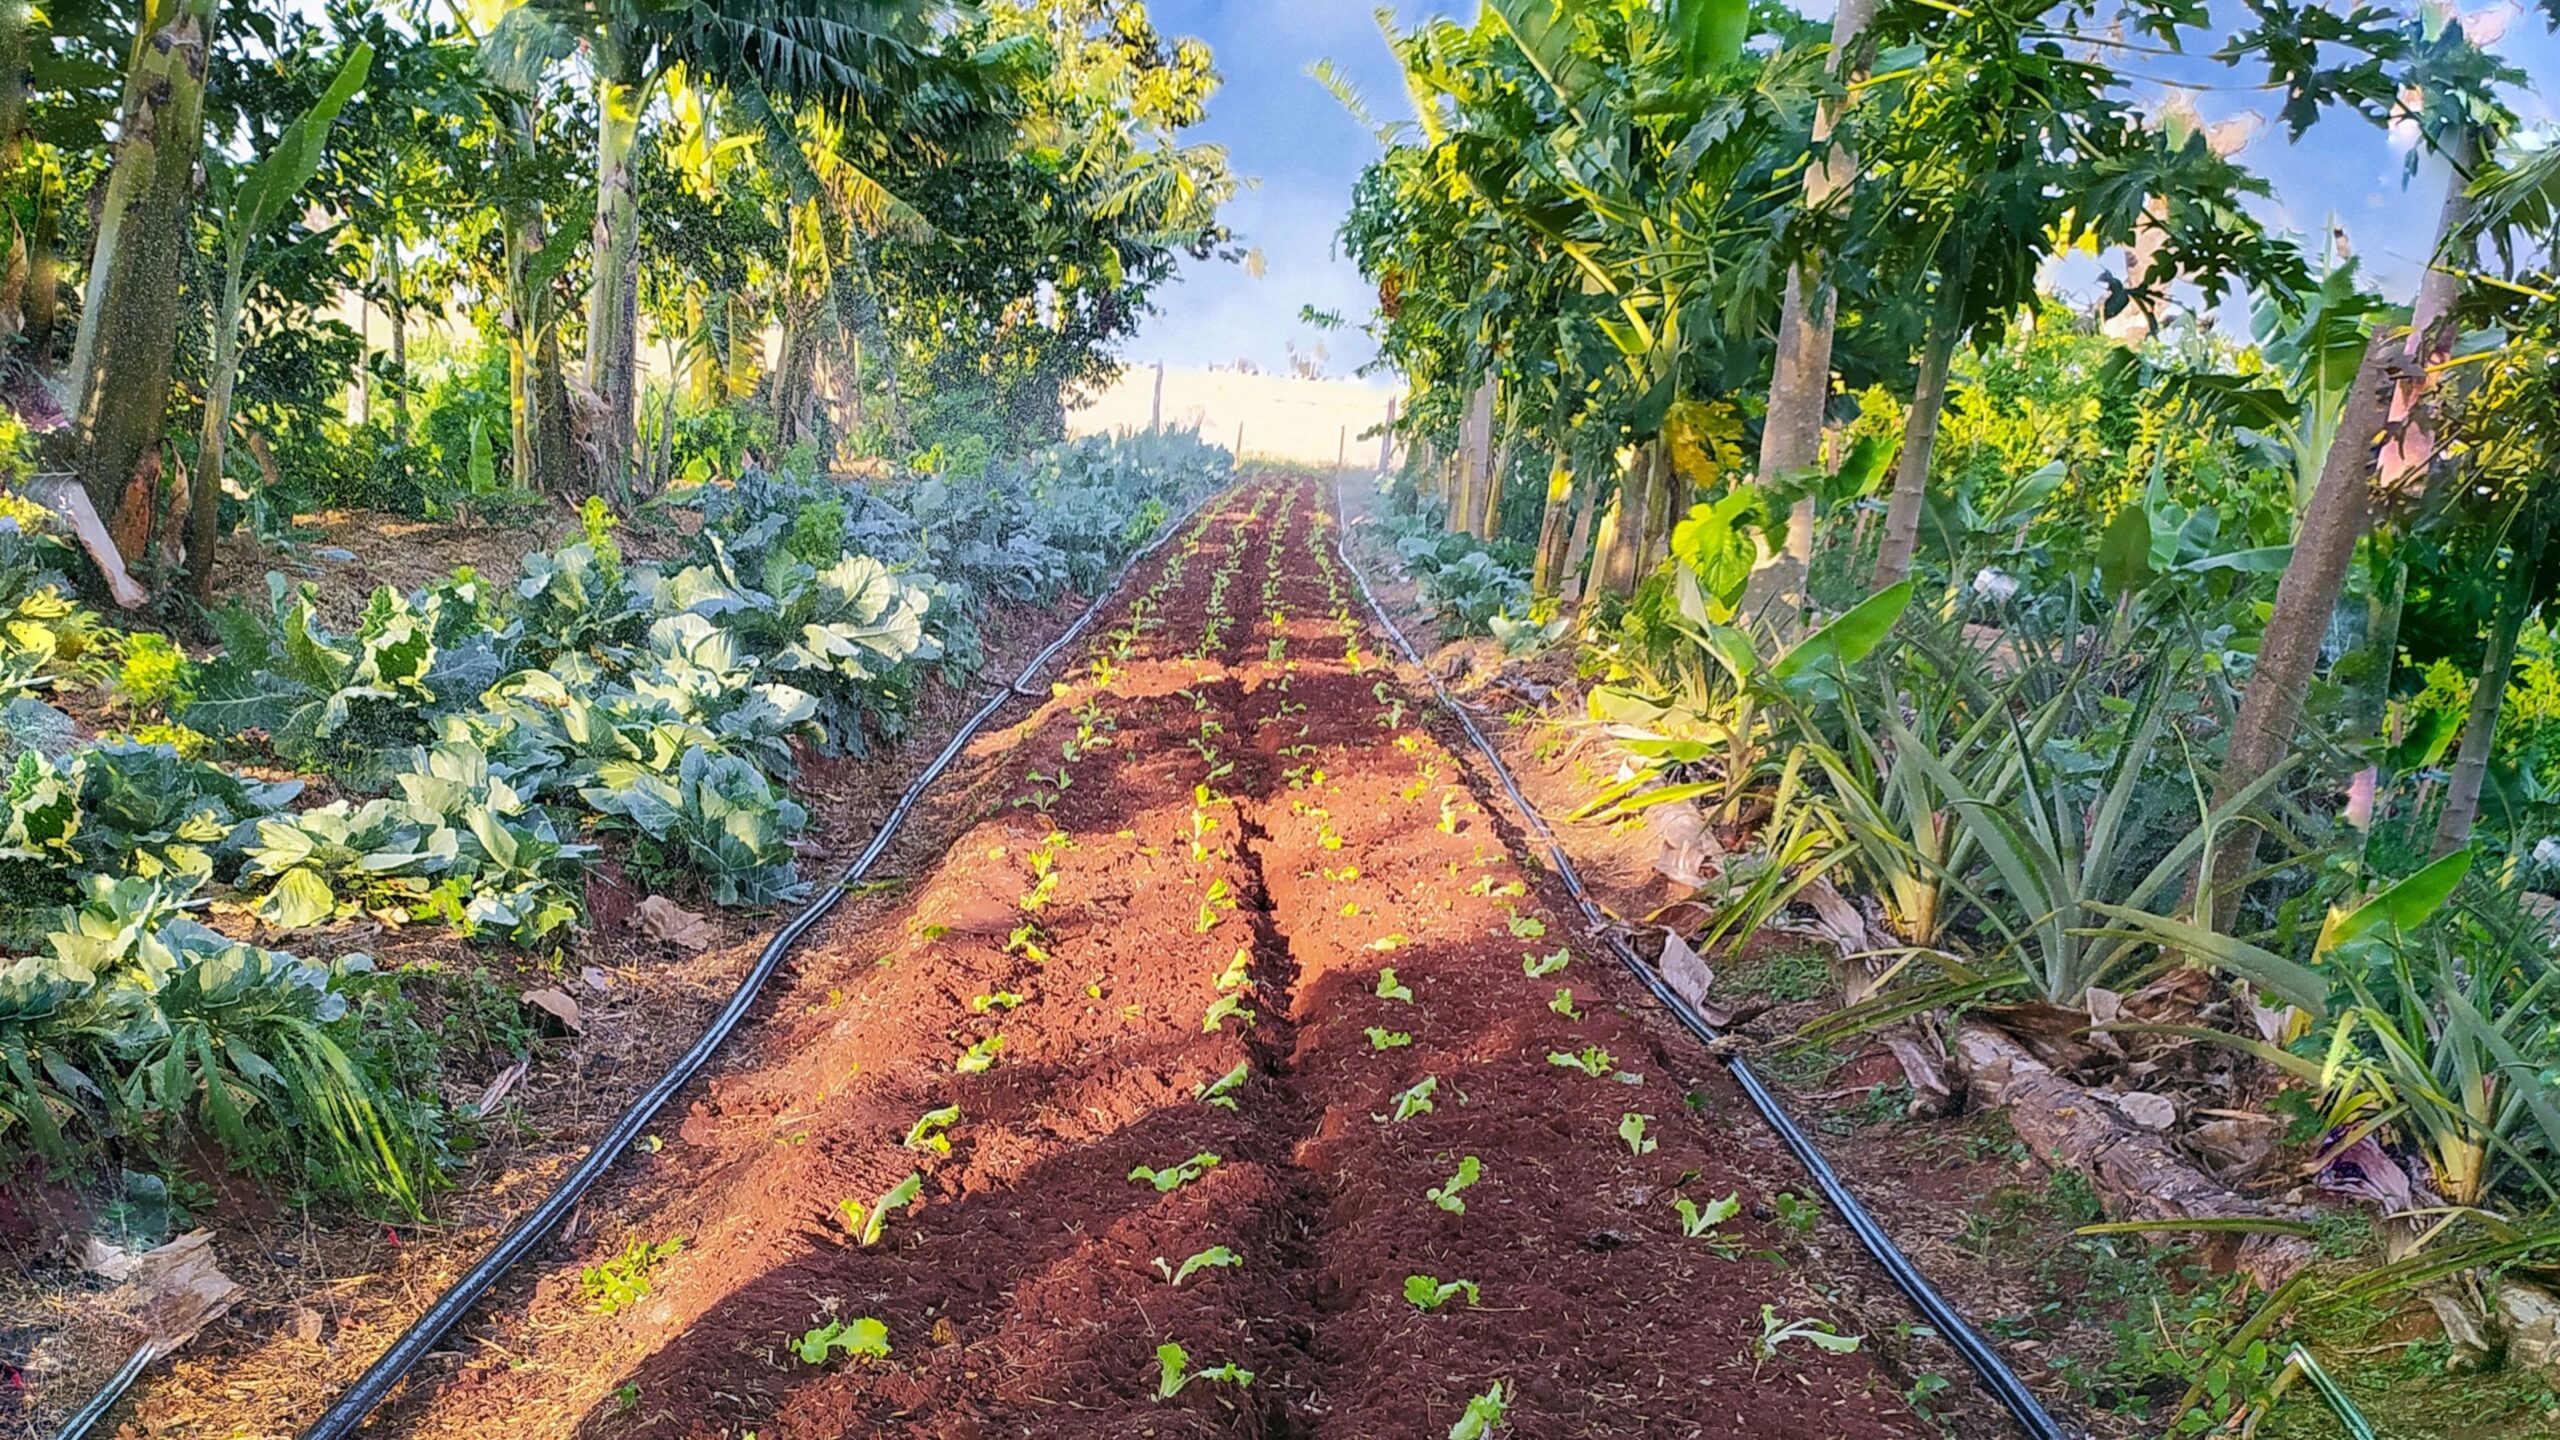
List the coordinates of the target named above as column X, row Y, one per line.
column 717, row 820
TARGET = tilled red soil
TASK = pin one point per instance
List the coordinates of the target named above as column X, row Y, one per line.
column 1255, row 823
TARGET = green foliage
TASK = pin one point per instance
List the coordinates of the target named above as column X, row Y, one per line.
column 717, row 818
column 863, row 1339
column 623, row 1281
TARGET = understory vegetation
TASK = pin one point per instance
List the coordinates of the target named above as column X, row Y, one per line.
column 2160, row 702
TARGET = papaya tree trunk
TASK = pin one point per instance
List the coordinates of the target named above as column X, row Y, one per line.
column 1489, row 510
column 1475, row 443
column 204, row 496
column 613, row 301
column 2480, row 726
column 1800, row 383
column 129, row 327
column 1604, row 544
column 44, row 264
column 1577, row 547
column 1919, row 442
column 1553, row 529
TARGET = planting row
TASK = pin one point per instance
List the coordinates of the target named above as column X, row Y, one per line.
column 480, row 740
column 1225, row 1074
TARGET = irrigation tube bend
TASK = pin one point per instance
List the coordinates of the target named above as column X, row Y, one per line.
column 1994, row 1372
column 423, row 1333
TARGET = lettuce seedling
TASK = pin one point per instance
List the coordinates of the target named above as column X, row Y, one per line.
column 1700, row 1223
column 994, row 1000
column 1220, row 1092
column 1415, row 1100
column 1223, row 1009
column 866, row 1224
column 1427, row 1293
column 1175, row 1177
column 1775, row 1332
column 1217, row 1255
column 1390, row 942
column 1389, row 989
column 1239, row 971
column 1631, row 1130
column 1483, row 1413
column 1528, row 927
column 1174, row 1363
column 1445, row 1194
column 866, row 1337
column 926, row 1134
column 979, row 1057
column 1539, row 967
column 1595, row 1062
column 1220, row 897
column 1381, row 1038
column 1563, row 1003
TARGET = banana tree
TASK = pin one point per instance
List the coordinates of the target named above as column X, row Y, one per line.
column 247, row 205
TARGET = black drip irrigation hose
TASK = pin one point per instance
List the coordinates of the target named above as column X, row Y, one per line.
column 1994, row 1372
column 423, row 1333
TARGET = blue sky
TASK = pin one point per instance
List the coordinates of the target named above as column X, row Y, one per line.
column 1286, row 133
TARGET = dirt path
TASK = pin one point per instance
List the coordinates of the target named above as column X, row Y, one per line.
column 1158, row 943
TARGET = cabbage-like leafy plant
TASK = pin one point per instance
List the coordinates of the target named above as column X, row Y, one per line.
column 717, row 818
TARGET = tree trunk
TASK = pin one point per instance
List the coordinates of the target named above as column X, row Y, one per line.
column 2369, row 701
column 129, row 327
column 552, row 451
column 2323, row 547
column 2341, row 506
column 44, row 265
column 204, row 496
column 1627, row 545
column 1552, row 531
column 1800, row 383
column 1604, row 545
column 396, row 306
column 1489, row 512
column 613, row 300
column 1577, row 548
column 2480, row 727
column 1919, row 441
column 1474, row 446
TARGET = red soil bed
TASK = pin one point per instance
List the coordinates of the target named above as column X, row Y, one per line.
column 1337, row 836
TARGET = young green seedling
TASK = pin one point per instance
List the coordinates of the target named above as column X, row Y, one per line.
column 994, row 1000
column 1527, row 927
column 623, row 1281
column 1223, row 1009
column 926, row 1133
column 1484, row 1412
column 1699, row 1223
column 1775, row 1332
column 1219, row 898
column 1411, row 1101
column 1220, row 1092
column 1631, row 1130
column 1217, row 1255
column 1595, row 1062
column 1385, row 943
column 980, row 1056
column 1177, row 1176
column 1239, row 971
column 1427, row 1293
column 1381, row 1038
column 867, row 1224
column 1539, row 967
column 1174, row 1366
column 1445, row 1194
column 1563, row 1003
column 866, row 1338
column 1389, row 989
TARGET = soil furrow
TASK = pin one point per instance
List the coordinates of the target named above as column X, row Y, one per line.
column 1137, row 1014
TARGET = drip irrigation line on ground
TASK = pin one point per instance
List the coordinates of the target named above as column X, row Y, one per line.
column 1993, row 1371
column 423, row 1333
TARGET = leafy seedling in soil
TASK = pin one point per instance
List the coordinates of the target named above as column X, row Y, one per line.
column 1528, row 927
column 1631, row 1130
column 1796, row 1213
column 1775, row 1332
column 623, row 1281
column 1239, row 970
column 1595, row 1062
column 1445, row 1194
column 1217, row 1255
column 1174, row 1365
column 979, row 1057
column 1427, row 1293
column 1699, row 1223
column 1025, row 942
column 1449, row 813
column 994, row 1000
column 1563, row 1003
column 1390, row 989
column 1219, row 898
column 926, row 1133
column 866, row 1337
column 866, row 1224
column 1484, row 1412
column 1223, row 1009
column 1220, row 1092
column 1381, row 1038
column 1415, row 1100
column 1389, row 942
column 1175, row 1177
column 1539, row 967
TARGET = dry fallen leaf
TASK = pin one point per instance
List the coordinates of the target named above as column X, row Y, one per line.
column 306, row 1325
column 497, row 1091
column 1688, row 976
column 594, row 977
column 557, row 1004
column 663, row 919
